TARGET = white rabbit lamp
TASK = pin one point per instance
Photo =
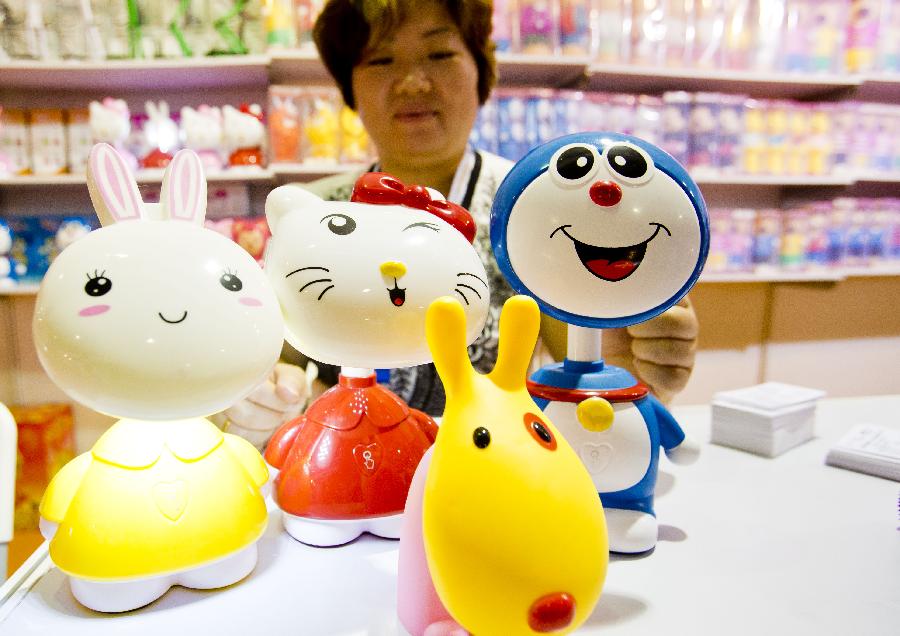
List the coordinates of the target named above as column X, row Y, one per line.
column 160, row 135
column 503, row 530
column 158, row 321
column 355, row 280
column 604, row 230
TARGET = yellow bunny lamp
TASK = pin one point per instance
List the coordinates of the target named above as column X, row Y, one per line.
column 503, row 530
column 158, row 321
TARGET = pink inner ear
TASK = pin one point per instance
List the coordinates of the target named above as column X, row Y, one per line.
column 112, row 179
column 183, row 193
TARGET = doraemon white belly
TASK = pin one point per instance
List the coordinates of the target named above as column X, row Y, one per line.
column 616, row 458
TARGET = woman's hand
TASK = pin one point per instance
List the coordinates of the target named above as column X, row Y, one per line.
column 659, row 351
column 280, row 398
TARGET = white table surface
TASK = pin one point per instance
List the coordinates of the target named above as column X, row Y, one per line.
column 748, row 545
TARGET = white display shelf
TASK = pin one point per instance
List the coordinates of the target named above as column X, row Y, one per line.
column 225, row 71
column 238, row 175
column 297, row 66
column 308, row 172
column 654, row 79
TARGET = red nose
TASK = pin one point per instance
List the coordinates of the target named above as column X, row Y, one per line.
column 606, row 193
column 552, row 612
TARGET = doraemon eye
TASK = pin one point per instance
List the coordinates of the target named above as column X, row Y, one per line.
column 98, row 284
column 230, row 281
column 430, row 226
column 574, row 165
column 629, row 164
column 340, row 224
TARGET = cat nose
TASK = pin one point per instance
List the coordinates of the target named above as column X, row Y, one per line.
column 393, row 269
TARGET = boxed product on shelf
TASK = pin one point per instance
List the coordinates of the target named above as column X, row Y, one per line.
column 767, row 239
column 537, row 27
column 703, row 128
column 305, row 13
column 45, row 444
column 280, row 24
column 862, row 35
column 48, row 141
column 15, row 153
column 649, row 22
column 612, row 32
column 502, row 23
column 676, row 134
column 706, row 28
column 355, row 144
column 320, row 110
column 78, row 139
column 575, row 36
column 888, row 48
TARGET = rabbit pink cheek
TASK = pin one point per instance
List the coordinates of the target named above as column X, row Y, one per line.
column 250, row 301
column 94, row 310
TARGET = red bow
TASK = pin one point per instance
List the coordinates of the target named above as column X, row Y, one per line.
column 383, row 189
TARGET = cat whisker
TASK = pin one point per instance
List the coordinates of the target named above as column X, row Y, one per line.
column 478, row 278
column 323, row 291
column 313, row 282
column 474, row 291
column 303, row 269
column 466, row 300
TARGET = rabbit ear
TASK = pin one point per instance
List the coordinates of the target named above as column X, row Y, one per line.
column 445, row 330
column 183, row 195
column 113, row 189
column 286, row 198
column 520, row 321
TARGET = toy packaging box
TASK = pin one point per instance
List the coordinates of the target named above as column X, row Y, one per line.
column 46, row 443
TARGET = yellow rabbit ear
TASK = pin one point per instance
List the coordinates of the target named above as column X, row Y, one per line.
column 445, row 330
column 520, row 322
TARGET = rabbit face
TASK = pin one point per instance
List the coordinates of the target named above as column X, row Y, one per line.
column 156, row 319
column 514, row 531
column 615, row 218
column 242, row 130
column 355, row 279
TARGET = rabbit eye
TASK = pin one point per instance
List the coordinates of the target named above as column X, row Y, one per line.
column 231, row 282
column 98, row 284
column 481, row 437
column 540, row 431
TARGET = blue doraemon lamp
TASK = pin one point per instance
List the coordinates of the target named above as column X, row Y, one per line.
column 604, row 230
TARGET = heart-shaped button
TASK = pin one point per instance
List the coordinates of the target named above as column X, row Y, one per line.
column 171, row 498
column 596, row 456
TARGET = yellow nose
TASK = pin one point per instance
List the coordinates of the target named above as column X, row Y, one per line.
column 393, row 269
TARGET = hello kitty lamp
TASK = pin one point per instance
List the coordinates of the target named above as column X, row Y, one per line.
column 157, row 321
column 503, row 531
column 354, row 280
column 604, row 230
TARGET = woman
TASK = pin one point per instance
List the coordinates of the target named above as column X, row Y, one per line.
column 417, row 72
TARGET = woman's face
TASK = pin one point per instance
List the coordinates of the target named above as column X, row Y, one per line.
column 417, row 90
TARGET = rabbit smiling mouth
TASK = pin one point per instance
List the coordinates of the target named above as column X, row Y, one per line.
column 174, row 322
column 397, row 295
column 611, row 263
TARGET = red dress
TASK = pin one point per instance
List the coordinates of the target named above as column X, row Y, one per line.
column 352, row 455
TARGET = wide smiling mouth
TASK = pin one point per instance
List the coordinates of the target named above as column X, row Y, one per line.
column 174, row 322
column 611, row 263
column 397, row 295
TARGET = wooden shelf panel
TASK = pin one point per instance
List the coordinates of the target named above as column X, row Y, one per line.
column 123, row 75
column 636, row 79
